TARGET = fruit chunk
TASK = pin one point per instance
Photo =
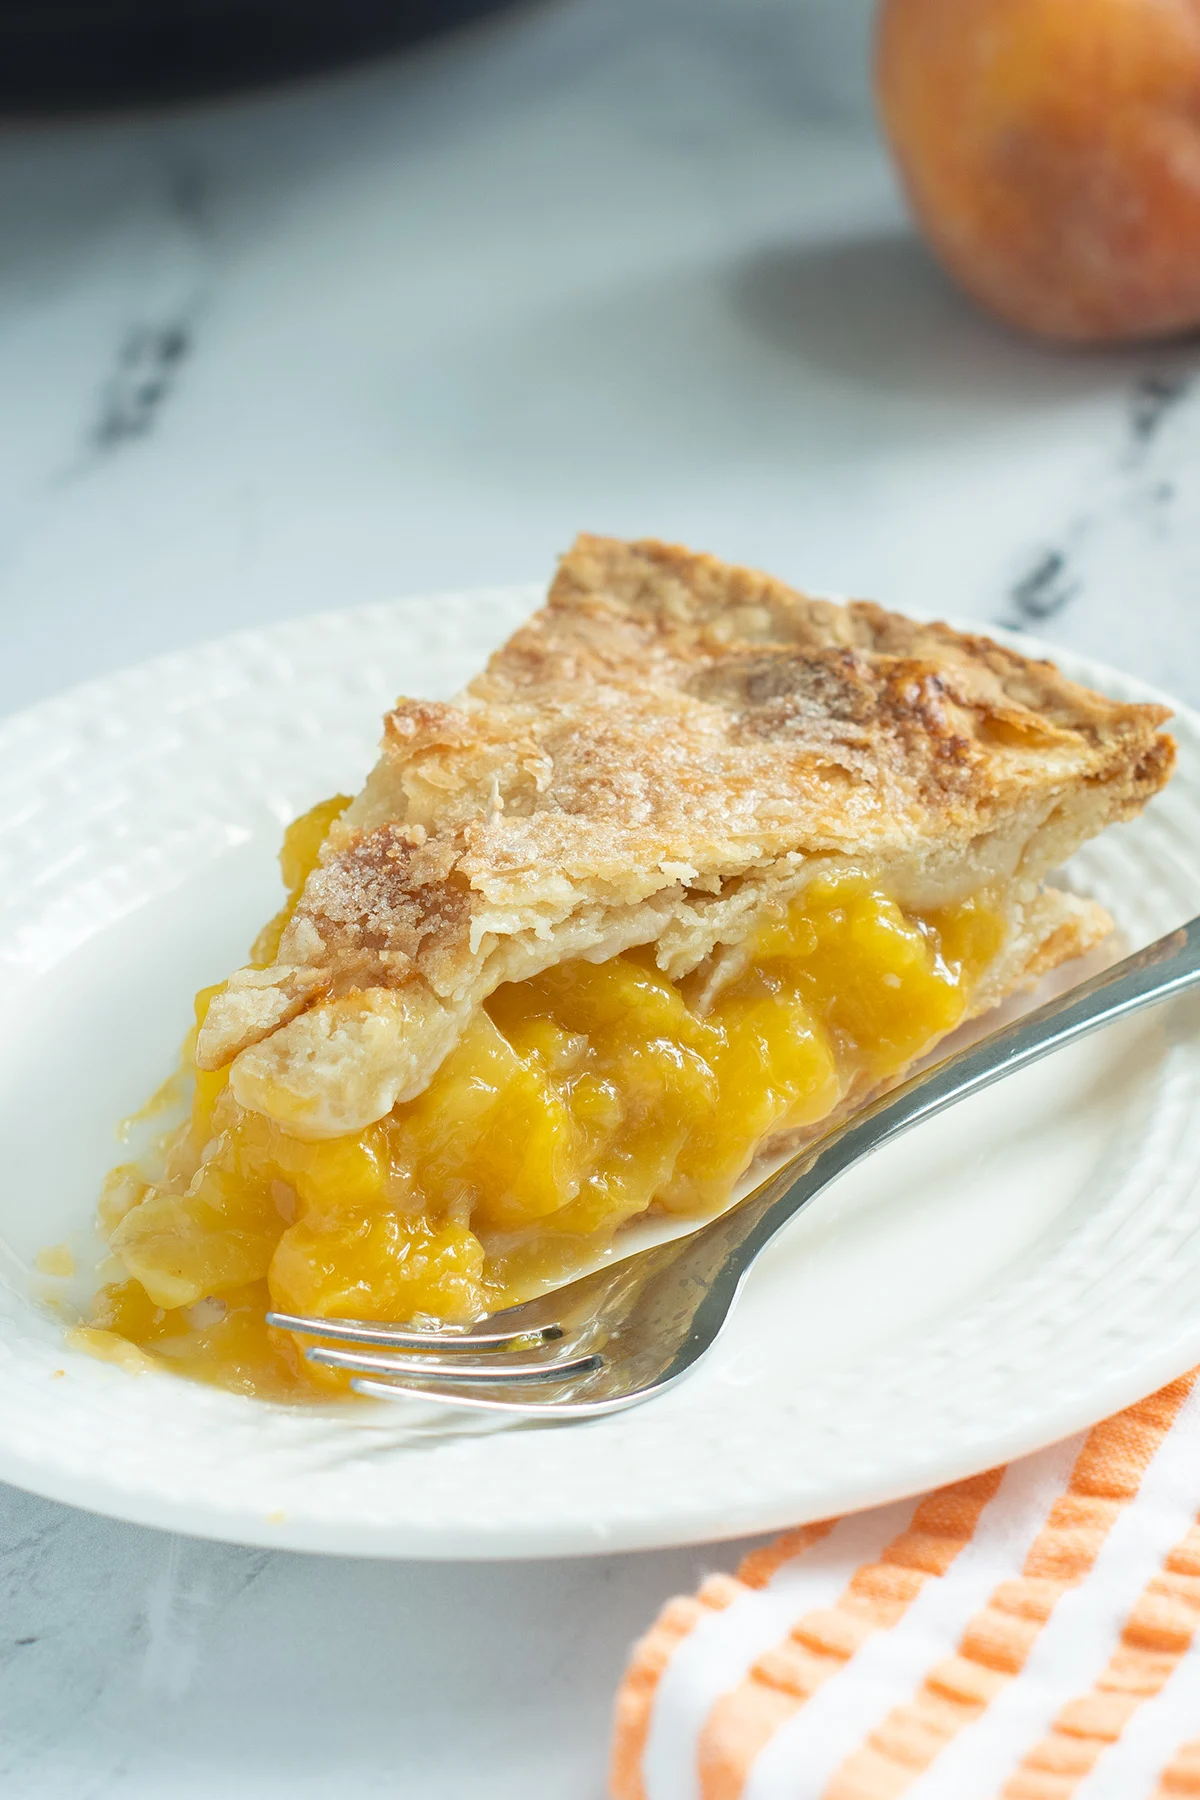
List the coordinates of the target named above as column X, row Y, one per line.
column 1051, row 150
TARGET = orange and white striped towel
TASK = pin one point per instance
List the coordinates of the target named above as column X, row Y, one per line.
column 1028, row 1634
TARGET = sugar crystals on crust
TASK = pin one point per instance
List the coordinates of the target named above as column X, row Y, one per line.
column 670, row 746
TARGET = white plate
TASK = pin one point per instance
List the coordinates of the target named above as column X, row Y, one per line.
column 1008, row 1274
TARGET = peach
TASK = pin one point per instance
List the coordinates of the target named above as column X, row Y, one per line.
column 1051, row 151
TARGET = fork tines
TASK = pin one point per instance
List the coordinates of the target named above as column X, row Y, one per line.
column 501, row 1368
column 394, row 1337
column 456, row 1362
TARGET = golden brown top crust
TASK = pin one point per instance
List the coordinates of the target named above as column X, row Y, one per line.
column 666, row 726
column 665, row 717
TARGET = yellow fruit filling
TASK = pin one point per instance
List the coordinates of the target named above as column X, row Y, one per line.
column 574, row 1102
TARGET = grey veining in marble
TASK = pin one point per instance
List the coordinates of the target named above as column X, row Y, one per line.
column 632, row 265
column 604, row 263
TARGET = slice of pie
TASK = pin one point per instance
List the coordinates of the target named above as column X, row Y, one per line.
column 693, row 867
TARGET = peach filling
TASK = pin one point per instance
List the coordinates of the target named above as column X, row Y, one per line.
column 576, row 1101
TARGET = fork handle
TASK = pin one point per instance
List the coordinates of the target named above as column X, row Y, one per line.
column 1162, row 970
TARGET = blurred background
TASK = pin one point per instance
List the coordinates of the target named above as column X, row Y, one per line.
column 410, row 321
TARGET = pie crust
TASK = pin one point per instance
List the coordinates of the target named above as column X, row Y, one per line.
column 668, row 750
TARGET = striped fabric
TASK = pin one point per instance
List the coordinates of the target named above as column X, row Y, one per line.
column 1029, row 1634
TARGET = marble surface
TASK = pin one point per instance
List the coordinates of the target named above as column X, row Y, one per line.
column 135, row 1665
column 633, row 265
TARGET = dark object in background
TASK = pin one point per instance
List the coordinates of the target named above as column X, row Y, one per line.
column 59, row 54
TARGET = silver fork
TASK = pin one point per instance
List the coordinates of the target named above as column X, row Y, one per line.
column 633, row 1329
